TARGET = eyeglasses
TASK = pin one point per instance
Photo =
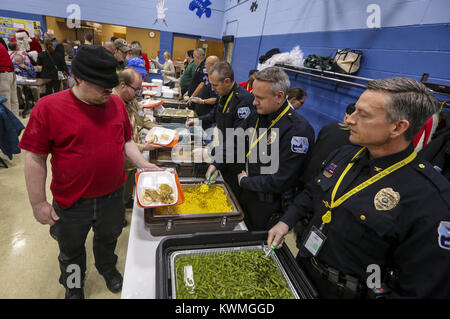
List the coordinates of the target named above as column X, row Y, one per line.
column 137, row 91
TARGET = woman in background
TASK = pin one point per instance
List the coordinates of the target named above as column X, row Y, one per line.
column 50, row 62
column 168, row 68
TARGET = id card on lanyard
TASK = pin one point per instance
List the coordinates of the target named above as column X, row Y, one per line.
column 314, row 241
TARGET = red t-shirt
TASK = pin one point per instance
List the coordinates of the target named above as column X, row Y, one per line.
column 86, row 143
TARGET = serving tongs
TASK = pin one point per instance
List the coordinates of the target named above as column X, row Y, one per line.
column 268, row 250
column 204, row 188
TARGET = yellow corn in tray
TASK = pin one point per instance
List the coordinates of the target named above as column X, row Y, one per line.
column 215, row 200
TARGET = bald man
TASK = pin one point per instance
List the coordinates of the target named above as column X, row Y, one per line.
column 207, row 98
column 130, row 86
column 109, row 45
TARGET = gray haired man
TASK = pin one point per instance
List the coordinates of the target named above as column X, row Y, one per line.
column 283, row 136
column 200, row 75
column 379, row 215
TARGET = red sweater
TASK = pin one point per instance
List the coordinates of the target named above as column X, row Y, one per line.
column 147, row 62
column 5, row 61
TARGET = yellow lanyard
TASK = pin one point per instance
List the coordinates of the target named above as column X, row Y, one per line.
column 248, row 87
column 326, row 218
column 225, row 108
column 252, row 146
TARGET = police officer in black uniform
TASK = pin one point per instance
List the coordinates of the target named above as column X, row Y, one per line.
column 380, row 216
column 233, row 106
column 200, row 74
column 207, row 98
column 281, row 134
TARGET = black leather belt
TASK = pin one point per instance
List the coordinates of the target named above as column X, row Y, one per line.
column 5, row 71
column 346, row 285
column 110, row 195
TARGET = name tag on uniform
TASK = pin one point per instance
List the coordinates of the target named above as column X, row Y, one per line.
column 314, row 241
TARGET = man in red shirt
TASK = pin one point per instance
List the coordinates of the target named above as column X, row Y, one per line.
column 88, row 134
column 8, row 81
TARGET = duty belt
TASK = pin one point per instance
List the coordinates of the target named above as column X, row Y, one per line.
column 268, row 197
column 346, row 285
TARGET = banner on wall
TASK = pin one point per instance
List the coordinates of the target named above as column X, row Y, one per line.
column 7, row 26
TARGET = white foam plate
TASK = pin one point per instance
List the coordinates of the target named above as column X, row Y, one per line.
column 159, row 131
column 149, row 92
column 152, row 180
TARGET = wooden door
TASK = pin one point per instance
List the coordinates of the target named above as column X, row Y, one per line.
column 181, row 45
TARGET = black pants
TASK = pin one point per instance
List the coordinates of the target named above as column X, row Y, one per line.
column 229, row 174
column 260, row 215
column 52, row 87
column 105, row 215
column 128, row 187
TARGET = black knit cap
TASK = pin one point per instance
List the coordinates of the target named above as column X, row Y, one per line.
column 95, row 64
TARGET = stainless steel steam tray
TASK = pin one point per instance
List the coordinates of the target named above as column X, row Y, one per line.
column 235, row 273
column 230, row 199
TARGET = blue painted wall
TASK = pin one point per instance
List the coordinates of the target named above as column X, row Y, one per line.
column 165, row 44
column 132, row 13
column 413, row 38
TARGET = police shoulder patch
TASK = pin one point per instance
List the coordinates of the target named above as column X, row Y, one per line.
column 243, row 112
column 299, row 144
column 444, row 235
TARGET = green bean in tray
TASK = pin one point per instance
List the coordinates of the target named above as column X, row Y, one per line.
column 233, row 274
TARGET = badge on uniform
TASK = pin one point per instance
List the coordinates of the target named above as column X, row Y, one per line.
column 243, row 112
column 299, row 144
column 329, row 170
column 386, row 199
column 272, row 137
column 444, row 235
column 314, row 241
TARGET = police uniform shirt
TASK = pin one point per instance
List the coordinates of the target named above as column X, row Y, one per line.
column 401, row 221
column 206, row 93
column 238, row 109
column 231, row 115
column 200, row 75
column 437, row 152
column 295, row 137
column 331, row 137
